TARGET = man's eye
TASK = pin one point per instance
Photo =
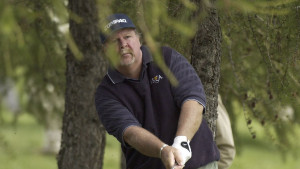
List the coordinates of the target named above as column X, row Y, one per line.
column 126, row 37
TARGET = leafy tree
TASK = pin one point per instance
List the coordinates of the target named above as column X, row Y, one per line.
column 33, row 42
column 260, row 66
column 33, row 50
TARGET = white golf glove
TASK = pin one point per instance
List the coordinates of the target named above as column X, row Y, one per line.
column 183, row 145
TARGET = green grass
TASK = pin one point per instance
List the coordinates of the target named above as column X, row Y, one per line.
column 112, row 155
column 261, row 152
column 20, row 148
column 258, row 158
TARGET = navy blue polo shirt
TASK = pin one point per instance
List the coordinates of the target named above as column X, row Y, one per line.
column 153, row 103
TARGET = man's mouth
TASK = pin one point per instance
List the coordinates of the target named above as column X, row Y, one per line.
column 125, row 51
column 124, row 54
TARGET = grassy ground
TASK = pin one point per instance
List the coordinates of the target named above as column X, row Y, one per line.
column 20, row 148
column 260, row 153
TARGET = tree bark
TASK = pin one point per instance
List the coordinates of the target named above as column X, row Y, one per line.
column 83, row 137
column 206, row 58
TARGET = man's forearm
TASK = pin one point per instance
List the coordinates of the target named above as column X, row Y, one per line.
column 143, row 141
column 190, row 119
column 149, row 145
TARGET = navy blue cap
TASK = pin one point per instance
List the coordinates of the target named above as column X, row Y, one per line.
column 114, row 23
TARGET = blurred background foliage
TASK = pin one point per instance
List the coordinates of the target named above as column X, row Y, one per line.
column 259, row 71
column 32, row 54
column 259, row 67
column 32, row 45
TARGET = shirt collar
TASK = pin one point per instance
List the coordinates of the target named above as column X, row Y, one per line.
column 116, row 77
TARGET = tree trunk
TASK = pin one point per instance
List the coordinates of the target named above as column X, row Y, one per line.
column 206, row 58
column 83, row 137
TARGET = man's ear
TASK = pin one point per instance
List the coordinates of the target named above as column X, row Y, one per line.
column 137, row 33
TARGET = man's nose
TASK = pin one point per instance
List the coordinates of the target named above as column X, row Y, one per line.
column 123, row 43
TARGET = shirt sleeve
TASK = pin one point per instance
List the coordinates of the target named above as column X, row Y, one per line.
column 115, row 117
column 190, row 86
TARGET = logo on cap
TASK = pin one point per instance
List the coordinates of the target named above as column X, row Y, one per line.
column 114, row 22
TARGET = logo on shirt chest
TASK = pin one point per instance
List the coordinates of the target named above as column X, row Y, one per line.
column 156, row 79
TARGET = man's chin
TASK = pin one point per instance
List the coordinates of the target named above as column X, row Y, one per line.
column 127, row 62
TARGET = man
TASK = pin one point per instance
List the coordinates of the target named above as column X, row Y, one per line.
column 224, row 137
column 158, row 125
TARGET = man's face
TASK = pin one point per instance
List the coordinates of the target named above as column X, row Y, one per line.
column 127, row 45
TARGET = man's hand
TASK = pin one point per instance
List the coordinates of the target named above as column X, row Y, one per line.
column 183, row 145
column 171, row 158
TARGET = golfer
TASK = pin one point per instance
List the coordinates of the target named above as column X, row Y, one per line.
column 158, row 125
